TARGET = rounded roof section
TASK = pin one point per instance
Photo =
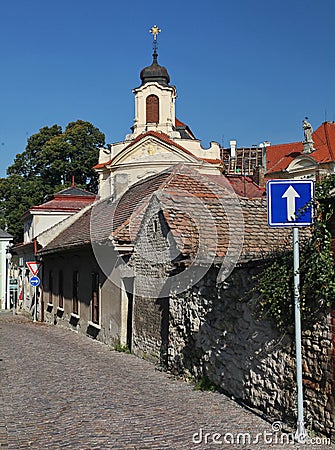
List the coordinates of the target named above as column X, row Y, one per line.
column 155, row 73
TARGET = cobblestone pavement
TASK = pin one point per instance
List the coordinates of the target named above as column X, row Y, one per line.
column 59, row 389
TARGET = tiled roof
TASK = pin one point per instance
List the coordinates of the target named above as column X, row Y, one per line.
column 71, row 199
column 219, row 226
column 184, row 129
column 106, row 216
column 64, row 204
column 194, row 206
column 245, row 187
column 102, row 165
column 278, row 157
column 213, row 161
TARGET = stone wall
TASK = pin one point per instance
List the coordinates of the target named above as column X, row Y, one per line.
column 214, row 332
column 151, row 264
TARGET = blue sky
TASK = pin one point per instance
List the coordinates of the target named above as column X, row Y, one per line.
column 244, row 70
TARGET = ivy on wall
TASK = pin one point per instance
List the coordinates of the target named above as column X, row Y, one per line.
column 275, row 284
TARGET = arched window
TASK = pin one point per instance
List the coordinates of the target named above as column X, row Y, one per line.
column 152, row 104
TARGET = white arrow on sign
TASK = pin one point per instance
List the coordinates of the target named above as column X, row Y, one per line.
column 290, row 194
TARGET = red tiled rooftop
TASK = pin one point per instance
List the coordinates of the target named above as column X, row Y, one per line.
column 243, row 186
column 180, row 124
column 64, row 204
column 278, row 157
column 187, row 199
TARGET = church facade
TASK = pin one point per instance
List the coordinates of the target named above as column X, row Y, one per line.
column 158, row 139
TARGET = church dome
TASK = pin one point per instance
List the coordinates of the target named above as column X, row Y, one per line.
column 155, row 72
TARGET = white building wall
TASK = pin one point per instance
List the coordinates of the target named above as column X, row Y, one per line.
column 3, row 272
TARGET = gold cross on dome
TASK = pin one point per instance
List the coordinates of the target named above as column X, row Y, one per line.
column 154, row 31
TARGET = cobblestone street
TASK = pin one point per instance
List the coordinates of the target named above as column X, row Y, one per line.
column 59, row 389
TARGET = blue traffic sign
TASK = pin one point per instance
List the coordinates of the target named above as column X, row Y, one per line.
column 289, row 202
column 34, row 281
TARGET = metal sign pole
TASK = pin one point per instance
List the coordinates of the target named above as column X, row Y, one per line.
column 35, row 305
column 301, row 433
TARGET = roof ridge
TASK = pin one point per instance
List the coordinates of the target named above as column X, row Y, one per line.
column 284, row 144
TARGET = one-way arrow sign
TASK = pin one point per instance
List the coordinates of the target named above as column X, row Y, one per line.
column 291, row 194
column 289, row 202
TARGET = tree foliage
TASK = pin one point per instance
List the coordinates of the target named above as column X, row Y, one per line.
column 317, row 272
column 56, row 156
column 51, row 158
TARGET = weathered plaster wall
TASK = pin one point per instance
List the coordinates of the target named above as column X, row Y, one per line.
column 83, row 261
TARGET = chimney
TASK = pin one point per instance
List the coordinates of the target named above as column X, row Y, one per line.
column 258, row 176
column 232, row 149
column 263, row 146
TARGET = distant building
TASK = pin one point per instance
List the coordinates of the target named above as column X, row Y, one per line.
column 41, row 224
column 303, row 160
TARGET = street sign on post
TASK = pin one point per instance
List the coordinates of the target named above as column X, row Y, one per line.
column 35, row 281
column 290, row 205
column 34, row 266
column 289, row 202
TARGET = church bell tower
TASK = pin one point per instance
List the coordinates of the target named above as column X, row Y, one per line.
column 154, row 98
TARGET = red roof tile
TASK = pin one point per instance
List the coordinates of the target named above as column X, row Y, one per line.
column 180, row 124
column 244, row 187
column 213, row 161
column 278, row 157
column 71, row 199
column 102, row 165
column 72, row 204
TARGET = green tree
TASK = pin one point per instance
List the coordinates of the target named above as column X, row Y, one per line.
column 56, row 156
column 51, row 158
column 317, row 271
column 17, row 195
